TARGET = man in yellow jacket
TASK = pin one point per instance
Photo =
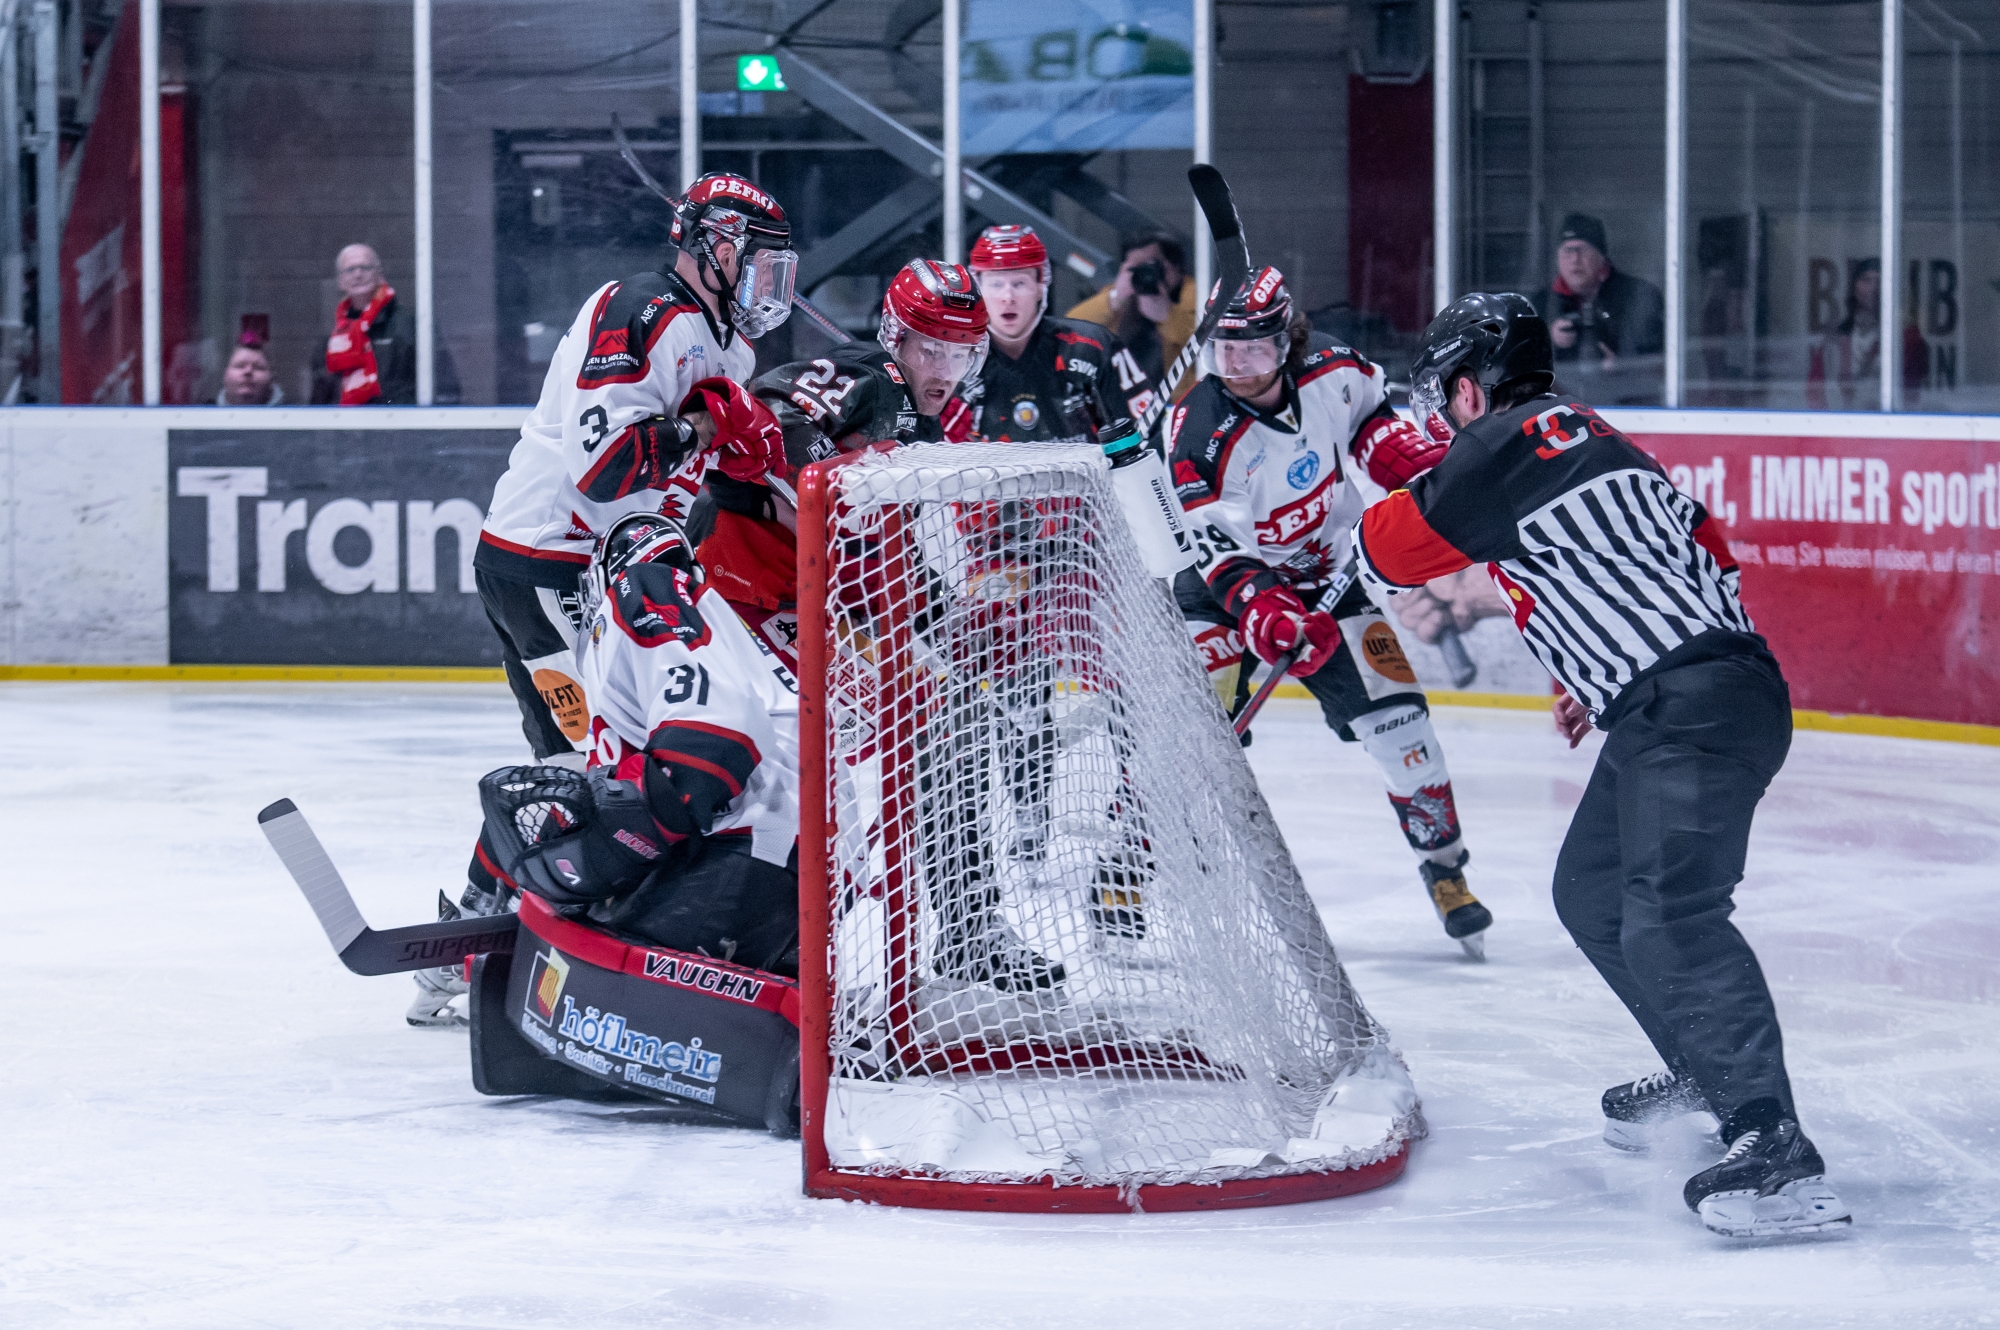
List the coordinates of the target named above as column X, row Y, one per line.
column 1152, row 306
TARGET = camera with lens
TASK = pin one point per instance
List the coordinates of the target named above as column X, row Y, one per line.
column 1149, row 279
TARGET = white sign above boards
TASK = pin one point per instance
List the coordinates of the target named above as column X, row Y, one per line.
column 1059, row 76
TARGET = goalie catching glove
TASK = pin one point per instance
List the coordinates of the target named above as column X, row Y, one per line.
column 570, row 837
column 1277, row 621
column 749, row 443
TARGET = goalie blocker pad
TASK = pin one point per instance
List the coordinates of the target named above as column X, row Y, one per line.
column 598, row 1016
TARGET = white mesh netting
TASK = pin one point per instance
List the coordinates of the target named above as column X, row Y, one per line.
column 1067, row 940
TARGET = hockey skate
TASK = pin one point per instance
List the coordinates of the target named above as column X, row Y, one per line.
column 1771, row 1184
column 981, row 949
column 1116, row 908
column 431, row 1008
column 1465, row 919
column 1632, row 1110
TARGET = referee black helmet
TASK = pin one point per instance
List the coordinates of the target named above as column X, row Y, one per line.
column 1494, row 338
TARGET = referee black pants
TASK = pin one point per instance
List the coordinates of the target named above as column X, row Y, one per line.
column 1645, row 876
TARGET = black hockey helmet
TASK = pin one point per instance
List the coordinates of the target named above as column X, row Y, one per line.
column 719, row 208
column 634, row 539
column 1252, row 337
column 1496, row 339
column 1261, row 307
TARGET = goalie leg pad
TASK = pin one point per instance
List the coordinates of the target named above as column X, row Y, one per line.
column 676, row 1028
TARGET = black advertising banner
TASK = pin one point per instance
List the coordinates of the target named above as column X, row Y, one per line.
column 329, row 547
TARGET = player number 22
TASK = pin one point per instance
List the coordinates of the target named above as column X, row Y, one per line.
column 682, row 682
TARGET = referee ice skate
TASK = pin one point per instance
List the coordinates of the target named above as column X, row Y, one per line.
column 1625, row 590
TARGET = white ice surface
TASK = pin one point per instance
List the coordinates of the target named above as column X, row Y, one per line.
column 206, row 1122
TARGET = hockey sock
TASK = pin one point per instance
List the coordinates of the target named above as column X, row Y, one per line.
column 1404, row 746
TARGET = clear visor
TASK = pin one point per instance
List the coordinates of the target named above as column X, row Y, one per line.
column 764, row 290
column 932, row 358
column 1249, row 359
column 1427, row 406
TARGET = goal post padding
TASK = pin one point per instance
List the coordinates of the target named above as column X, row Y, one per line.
column 1054, row 953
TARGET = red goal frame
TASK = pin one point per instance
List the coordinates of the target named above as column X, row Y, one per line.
column 822, row 1179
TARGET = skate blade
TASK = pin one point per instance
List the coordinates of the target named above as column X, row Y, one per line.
column 1475, row 946
column 1797, row 1209
column 1631, row 1137
column 428, row 1016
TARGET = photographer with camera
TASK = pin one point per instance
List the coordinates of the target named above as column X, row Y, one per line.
column 1608, row 327
column 1151, row 306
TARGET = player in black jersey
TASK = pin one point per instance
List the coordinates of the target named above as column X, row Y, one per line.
column 1047, row 378
column 1626, row 591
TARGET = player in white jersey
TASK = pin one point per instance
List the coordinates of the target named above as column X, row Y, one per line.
column 683, row 833
column 645, row 389
column 1276, row 452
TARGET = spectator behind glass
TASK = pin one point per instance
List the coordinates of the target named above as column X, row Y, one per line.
column 1850, row 356
column 371, row 356
column 1151, row 306
column 1606, row 325
column 247, row 381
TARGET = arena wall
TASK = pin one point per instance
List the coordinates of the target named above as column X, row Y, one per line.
column 1870, row 546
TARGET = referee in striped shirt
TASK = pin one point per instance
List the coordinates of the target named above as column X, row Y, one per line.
column 1626, row 592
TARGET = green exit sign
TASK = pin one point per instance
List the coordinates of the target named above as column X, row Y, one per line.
column 759, row 73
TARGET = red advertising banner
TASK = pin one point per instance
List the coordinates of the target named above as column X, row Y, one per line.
column 1869, row 564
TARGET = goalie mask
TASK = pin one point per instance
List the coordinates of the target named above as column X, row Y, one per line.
column 632, row 540
column 1252, row 337
column 1497, row 340
column 720, row 209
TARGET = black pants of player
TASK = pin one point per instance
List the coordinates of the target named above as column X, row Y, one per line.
column 1336, row 685
column 521, row 614
column 1653, row 854
column 714, row 898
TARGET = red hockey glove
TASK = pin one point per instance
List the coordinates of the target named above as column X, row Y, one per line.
column 748, row 440
column 1277, row 621
column 1393, row 452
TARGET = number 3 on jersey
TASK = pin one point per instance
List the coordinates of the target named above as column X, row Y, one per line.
column 598, row 423
column 682, row 682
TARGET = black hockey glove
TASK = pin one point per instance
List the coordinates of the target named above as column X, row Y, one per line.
column 570, row 837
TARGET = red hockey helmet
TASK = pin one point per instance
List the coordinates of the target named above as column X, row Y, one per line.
column 720, row 208
column 1251, row 338
column 1010, row 247
column 933, row 311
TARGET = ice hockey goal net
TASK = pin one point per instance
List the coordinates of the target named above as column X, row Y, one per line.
column 1054, row 952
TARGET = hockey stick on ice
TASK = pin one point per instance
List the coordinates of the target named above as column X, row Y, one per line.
column 1232, row 266
column 361, row 948
column 819, row 320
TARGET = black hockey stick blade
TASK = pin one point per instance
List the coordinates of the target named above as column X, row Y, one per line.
column 1232, row 251
column 361, row 948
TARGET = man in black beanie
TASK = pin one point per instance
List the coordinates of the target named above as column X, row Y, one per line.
column 1601, row 319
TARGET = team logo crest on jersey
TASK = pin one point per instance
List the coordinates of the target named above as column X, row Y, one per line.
column 1301, row 472
column 1027, row 413
column 895, row 375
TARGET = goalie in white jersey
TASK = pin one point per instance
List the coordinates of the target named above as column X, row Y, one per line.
column 1276, row 452
column 684, row 831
